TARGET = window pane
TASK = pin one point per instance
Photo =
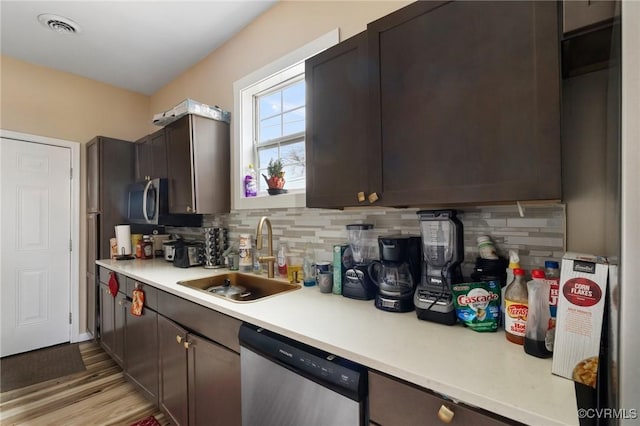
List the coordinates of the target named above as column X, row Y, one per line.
column 270, row 129
column 264, row 156
column 293, row 96
column 295, row 176
column 293, row 121
column 270, row 105
column 292, row 153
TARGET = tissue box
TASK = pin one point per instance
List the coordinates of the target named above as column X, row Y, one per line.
column 189, row 106
column 583, row 289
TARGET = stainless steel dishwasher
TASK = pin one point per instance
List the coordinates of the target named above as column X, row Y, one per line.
column 287, row 383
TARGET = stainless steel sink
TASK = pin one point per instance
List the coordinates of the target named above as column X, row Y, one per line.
column 239, row 287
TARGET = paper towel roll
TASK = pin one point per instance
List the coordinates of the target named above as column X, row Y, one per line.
column 123, row 238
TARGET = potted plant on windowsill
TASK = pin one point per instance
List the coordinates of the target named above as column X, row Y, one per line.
column 275, row 181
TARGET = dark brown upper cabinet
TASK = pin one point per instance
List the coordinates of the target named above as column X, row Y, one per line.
column 151, row 156
column 463, row 107
column 467, row 102
column 198, row 157
column 336, row 146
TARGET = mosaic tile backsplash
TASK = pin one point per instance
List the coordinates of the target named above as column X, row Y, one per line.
column 539, row 235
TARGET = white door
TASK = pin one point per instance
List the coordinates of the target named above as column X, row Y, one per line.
column 35, row 265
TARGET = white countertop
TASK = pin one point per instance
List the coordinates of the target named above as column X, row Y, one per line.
column 479, row 369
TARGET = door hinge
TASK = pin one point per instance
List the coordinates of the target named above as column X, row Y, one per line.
column 70, row 245
column 70, row 318
column 71, row 173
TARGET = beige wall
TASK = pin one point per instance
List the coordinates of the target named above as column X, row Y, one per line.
column 46, row 102
column 285, row 27
column 56, row 104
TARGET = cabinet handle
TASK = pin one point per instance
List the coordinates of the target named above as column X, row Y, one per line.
column 179, row 338
column 188, row 209
column 445, row 414
column 373, row 197
column 360, row 196
column 186, row 344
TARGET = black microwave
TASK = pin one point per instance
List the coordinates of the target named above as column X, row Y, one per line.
column 148, row 201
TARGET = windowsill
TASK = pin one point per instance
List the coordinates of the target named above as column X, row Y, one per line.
column 295, row 199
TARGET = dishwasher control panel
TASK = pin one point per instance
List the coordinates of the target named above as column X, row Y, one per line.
column 332, row 371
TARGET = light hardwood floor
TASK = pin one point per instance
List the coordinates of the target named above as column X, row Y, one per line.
column 98, row 396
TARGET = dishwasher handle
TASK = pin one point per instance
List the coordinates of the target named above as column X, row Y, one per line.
column 341, row 375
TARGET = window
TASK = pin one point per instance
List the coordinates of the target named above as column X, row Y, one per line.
column 279, row 131
column 269, row 124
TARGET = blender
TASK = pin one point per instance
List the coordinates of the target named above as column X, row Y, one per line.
column 443, row 252
column 357, row 282
column 397, row 272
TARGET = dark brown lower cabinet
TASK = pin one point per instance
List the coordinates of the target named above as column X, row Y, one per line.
column 214, row 384
column 112, row 321
column 174, row 399
column 141, row 351
column 199, row 379
column 392, row 402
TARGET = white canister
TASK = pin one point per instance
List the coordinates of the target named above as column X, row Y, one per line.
column 123, row 239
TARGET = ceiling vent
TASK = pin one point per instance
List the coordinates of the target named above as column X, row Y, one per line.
column 59, row 24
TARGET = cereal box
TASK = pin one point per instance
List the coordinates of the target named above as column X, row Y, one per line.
column 583, row 287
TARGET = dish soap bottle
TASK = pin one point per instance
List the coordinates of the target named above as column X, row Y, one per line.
column 250, row 182
column 516, row 308
column 538, row 316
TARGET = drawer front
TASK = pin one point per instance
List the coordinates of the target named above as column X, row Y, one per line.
column 211, row 324
column 150, row 293
column 392, row 402
column 122, row 279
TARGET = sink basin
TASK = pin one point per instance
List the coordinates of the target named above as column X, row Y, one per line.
column 240, row 288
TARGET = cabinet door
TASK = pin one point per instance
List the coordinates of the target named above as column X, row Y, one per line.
column 173, row 370
column 93, row 176
column 107, row 319
column 119, row 323
column 144, row 160
column 211, row 159
column 337, row 147
column 151, row 156
column 214, row 384
column 583, row 13
column 141, row 348
column 179, row 167
column 394, row 403
column 92, row 303
column 466, row 104
column 158, row 143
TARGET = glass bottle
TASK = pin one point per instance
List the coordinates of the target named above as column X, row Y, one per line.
column 309, row 267
column 516, row 298
column 535, row 339
column 282, row 259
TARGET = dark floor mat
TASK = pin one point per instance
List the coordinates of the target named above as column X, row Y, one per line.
column 18, row 371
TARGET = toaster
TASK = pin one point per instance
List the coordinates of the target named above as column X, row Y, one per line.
column 187, row 254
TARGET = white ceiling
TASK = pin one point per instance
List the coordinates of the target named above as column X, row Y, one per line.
column 135, row 45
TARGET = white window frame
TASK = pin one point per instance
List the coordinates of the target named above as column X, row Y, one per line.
column 242, row 148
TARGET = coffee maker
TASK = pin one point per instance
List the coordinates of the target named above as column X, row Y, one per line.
column 357, row 283
column 443, row 252
column 397, row 272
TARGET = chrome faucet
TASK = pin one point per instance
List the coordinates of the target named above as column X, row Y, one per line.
column 269, row 259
